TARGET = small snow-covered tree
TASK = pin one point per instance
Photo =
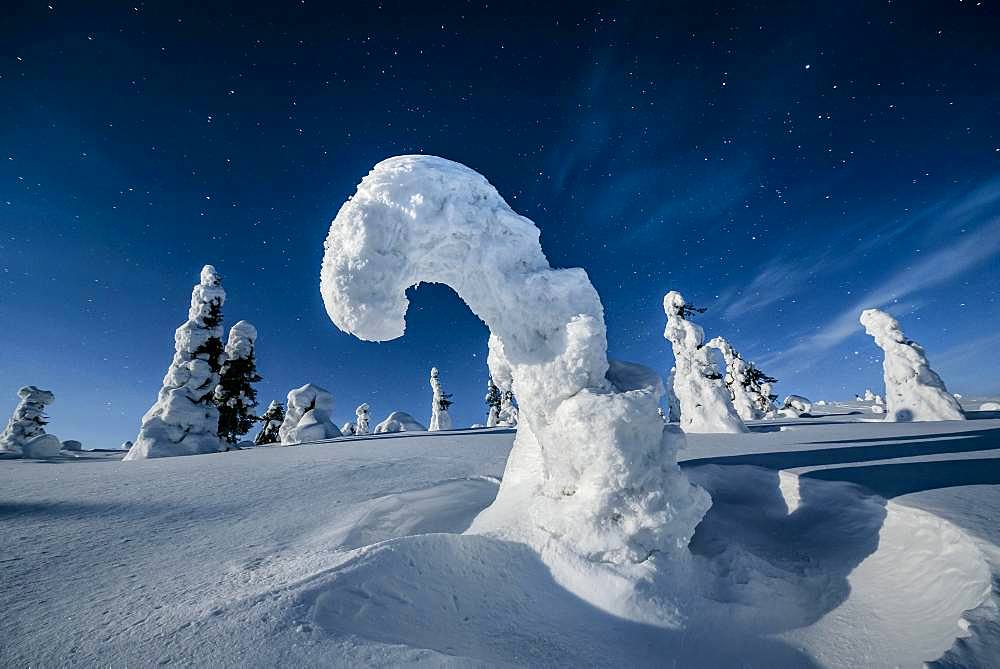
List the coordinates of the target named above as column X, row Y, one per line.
column 235, row 395
column 493, row 401
column 271, row 420
column 25, row 430
column 184, row 420
column 508, row 410
column 308, row 416
column 362, row 414
column 913, row 391
column 760, row 386
column 736, row 379
column 704, row 401
column 440, row 420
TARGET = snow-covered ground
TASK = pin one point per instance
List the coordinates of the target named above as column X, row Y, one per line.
column 833, row 540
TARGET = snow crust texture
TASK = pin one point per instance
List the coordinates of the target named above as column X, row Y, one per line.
column 26, row 424
column 592, row 476
column 308, row 416
column 184, row 420
column 913, row 391
column 704, row 401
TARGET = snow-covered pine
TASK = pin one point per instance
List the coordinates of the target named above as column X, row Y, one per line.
column 362, row 415
column 913, row 391
column 737, row 379
column 25, row 430
column 761, row 389
column 308, row 416
column 271, row 422
column 508, row 410
column 493, row 401
column 440, row 401
column 592, row 482
column 184, row 420
column 235, row 395
column 704, row 401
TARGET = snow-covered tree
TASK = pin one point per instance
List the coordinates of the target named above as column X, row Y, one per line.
column 493, row 402
column 308, row 416
column 913, row 391
column 704, row 401
column 592, row 482
column 673, row 404
column 440, row 401
column 25, row 431
column 737, row 379
column 184, row 420
column 508, row 410
column 362, row 415
column 235, row 395
column 760, row 387
column 399, row 421
column 271, row 422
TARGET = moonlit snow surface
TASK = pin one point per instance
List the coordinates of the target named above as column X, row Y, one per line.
column 837, row 543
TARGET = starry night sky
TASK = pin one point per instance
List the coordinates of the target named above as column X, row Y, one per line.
column 783, row 165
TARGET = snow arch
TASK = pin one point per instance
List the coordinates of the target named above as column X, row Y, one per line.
column 592, row 473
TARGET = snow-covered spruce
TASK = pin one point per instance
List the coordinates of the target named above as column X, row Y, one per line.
column 913, row 391
column 308, row 416
column 399, row 421
column 440, row 401
column 363, row 416
column 704, row 401
column 760, row 386
column 508, row 410
column 25, row 431
column 592, row 479
column 271, row 422
column 235, row 395
column 737, row 380
column 493, row 401
column 184, row 420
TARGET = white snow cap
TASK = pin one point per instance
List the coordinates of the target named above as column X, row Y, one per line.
column 242, row 338
column 440, row 420
column 399, row 421
column 184, row 420
column 913, row 392
column 704, row 400
column 308, row 416
column 25, row 425
column 593, row 473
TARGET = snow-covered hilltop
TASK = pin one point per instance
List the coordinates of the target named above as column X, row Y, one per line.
column 592, row 476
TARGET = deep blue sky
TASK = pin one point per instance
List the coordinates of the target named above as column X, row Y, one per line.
column 783, row 165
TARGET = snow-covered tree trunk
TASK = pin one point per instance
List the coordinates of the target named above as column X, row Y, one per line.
column 27, row 423
column 272, row 420
column 592, row 482
column 913, row 391
column 308, row 416
column 440, row 420
column 737, row 379
column 235, row 395
column 362, row 413
column 673, row 404
column 184, row 420
column 703, row 398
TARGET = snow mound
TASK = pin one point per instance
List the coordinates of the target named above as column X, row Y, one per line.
column 308, row 416
column 399, row 421
column 913, row 391
column 42, row 446
column 72, row 445
column 989, row 406
column 797, row 405
column 592, row 470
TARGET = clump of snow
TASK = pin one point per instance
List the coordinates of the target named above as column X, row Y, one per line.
column 184, row 420
column 704, row 401
column 362, row 413
column 272, row 420
column 126, row 445
column 399, row 421
column 440, row 401
column 308, row 416
column 508, row 410
column 989, row 406
column 869, row 396
column 42, row 446
column 914, row 392
column 493, row 401
column 72, row 445
column 821, row 403
column 737, row 380
column 593, row 472
column 877, row 408
column 797, row 404
column 27, row 422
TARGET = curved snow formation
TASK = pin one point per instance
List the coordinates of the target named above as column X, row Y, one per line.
column 27, row 422
column 592, row 476
column 308, row 416
column 704, row 401
column 913, row 391
column 399, row 421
